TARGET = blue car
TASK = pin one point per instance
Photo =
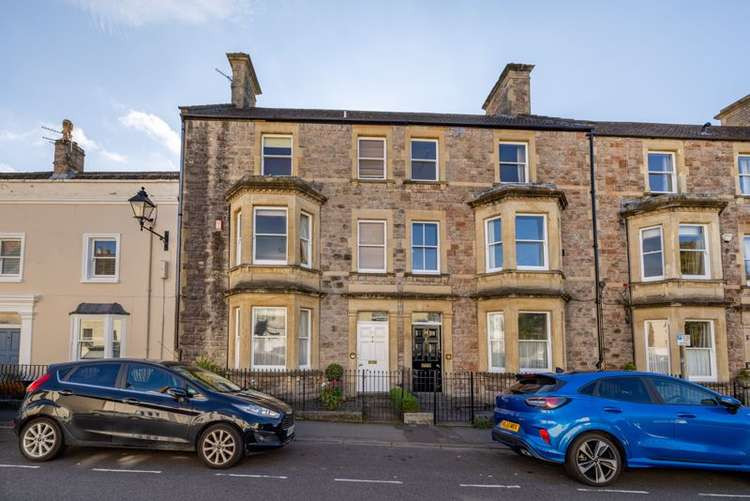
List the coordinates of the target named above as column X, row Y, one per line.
column 597, row 423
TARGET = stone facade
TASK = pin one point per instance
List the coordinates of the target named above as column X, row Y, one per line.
column 223, row 147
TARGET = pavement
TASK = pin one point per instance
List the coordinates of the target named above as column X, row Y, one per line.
column 342, row 461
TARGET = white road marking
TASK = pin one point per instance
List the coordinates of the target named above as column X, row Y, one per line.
column 618, row 491
column 31, row 467
column 491, row 486
column 247, row 475
column 365, row 481
column 712, row 495
column 112, row 470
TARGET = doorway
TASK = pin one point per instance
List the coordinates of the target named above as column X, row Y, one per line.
column 427, row 352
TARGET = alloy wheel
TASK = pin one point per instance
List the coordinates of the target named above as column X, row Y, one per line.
column 39, row 439
column 597, row 461
column 219, row 447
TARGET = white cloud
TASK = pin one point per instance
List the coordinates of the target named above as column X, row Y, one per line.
column 89, row 145
column 154, row 126
column 114, row 157
column 6, row 168
column 140, row 12
column 9, row 135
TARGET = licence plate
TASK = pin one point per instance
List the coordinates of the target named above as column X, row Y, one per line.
column 290, row 431
column 510, row 425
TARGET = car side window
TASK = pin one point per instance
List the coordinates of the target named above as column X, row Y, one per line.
column 95, row 375
column 147, row 378
column 680, row 393
column 628, row 389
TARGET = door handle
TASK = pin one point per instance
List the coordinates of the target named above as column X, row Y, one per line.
column 65, row 392
column 685, row 416
column 613, row 410
column 131, row 401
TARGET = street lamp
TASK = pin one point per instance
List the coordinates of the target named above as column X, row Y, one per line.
column 144, row 211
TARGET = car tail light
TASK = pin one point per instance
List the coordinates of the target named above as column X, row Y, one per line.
column 544, row 434
column 38, row 382
column 546, row 403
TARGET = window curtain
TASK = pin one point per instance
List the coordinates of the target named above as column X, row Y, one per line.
column 698, row 355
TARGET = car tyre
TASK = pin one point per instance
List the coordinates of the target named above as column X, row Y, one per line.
column 594, row 459
column 40, row 439
column 220, row 446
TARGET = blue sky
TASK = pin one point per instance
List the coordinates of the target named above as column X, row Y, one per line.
column 119, row 68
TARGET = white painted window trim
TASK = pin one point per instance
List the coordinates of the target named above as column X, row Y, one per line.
column 673, row 173
column 87, row 275
column 669, row 343
column 75, row 331
column 549, row 343
column 384, row 159
column 237, row 335
column 740, row 173
column 525, row 161
column 19, row 276
column 238, row 238
column 490, row 367
column 412, row 159
column 746, row 259
column 252, row 339
column 425, row 246
column 706, row 260
column 286, row 235
column 309, row 241
column 488, row 244
column 23, row 305
column 712, row 356
column 545, row 266
column 308, row 338
column 643, row 256
column 384, row 245
column 263, row 154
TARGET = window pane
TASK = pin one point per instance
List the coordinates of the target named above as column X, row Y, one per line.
column 269, row 351
column 430, row 259
column 691, row 237
column 116, row 337
column 700, row 334
column 371, row 148
column 679, row 393
column 495, row 230
column 277, row 145
column 372, row 258
column 515, row 153
column 372, row 233
column 659, row 162
column 692, row 263
column 91, row 339
column 529, row 227
column 660, row 182
column 304, row 226
column 532, row 326
column 532, row 355
column 105, row 248
column 372, row 169
column 424, row 150
column 10, row 248
column 744, row 164
column 496, row 339
column 629, row 389
column 417, row 254
column 512, row 173
column 274, row 166
column 270, row 248
column 417, row 233
column 430, row 234
column 269, row 336
column 104, row 266
column 10, row 266
column 96, row 374
column 496, row 256
column 303, row 337
column 745, row 185
column 657, row 341
column 651, row 239
column 652, row 265
column 423, row 170
column 530, row 253
column 147, row 378
column 270, row 221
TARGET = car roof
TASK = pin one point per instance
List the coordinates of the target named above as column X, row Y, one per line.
column 163, row 363
column 584, row 376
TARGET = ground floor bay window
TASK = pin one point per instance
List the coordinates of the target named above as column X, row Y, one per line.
column 700, row 356
column 269, row 338
column 97, row 336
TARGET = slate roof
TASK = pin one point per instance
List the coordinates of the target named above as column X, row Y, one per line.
column 533, row 122
column 99, row 309
column 109, row 175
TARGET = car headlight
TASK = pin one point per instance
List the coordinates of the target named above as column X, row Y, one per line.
column 257, row 410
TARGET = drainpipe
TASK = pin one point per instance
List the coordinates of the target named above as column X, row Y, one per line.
column 178, row 256
column 597, row 278
column 148, row 293
column 629, row 306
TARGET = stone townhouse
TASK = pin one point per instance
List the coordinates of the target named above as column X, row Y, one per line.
column 385, row 240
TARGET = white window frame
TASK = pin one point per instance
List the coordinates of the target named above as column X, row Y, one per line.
column 263, row 155
column 15, row 236
column 549, row 343
column 255, row 234
column 425, row 246
column 545, row 243
column 308, row 364
column 286, row 339
column 669, row 344
column 525, row 164
column 643, row 258
column 706, row 260
column 384, row 245
column 673, row 173
column 237, row 335
column 488, row 244
column 238, row 238
column 385, row 157
column 412, row 159
column 309, row 242
column 740, row 173
column 712, row 357
column 746, row 259
column 87, row 267
column 490, row 367
column 75, row 331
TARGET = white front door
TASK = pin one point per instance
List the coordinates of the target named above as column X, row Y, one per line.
column 372, row 355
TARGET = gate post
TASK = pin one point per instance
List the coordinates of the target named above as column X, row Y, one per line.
column 304, row 389
column 471, row 389
column 434, row 397
column 363, row 393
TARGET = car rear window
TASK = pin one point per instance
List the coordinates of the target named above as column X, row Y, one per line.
column 536, row 383
column 95, row 375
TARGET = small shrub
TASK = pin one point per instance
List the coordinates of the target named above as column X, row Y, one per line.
column 482, row 422
column 207, row 363
column 403, row 400
column 334, row 372
column 630, row 366
column 331, row 396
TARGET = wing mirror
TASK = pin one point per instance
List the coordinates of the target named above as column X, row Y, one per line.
column 177, row 393
column 731, row 403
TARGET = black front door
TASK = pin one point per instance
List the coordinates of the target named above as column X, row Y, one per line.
column 427, row 358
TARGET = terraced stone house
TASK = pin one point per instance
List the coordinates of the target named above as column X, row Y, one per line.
column 447, row 242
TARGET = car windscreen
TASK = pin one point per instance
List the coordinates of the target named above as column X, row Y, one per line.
column 206, row 379
column 534, row 383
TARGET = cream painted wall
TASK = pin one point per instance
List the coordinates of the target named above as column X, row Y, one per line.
column 54, row 216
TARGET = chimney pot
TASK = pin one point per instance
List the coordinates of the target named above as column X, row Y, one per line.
column 245, row 85
column 69, row 157
column 511, row 94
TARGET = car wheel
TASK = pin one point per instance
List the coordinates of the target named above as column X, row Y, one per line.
column 40, row 440
column 594, row 459
column 220, row 446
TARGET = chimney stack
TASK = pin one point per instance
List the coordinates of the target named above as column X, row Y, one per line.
column 736, row 114
column 245, row 84
column 511, row 94
column 69, row 156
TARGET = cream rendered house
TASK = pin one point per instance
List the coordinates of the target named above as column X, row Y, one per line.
column 78, row 278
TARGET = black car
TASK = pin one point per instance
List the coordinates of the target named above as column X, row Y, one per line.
column 149, row 405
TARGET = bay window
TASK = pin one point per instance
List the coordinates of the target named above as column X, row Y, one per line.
column 496, row 341
column 238, row 238
column 700, row 356
column 531, row 242
column 693, row 253
column 652, row 253
column 657, row 346
column 493, row 231
column 270, row 236
column 269, row 338
column 97, row 336
column 534, row 341
column 304, row 328
column 371, row 246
